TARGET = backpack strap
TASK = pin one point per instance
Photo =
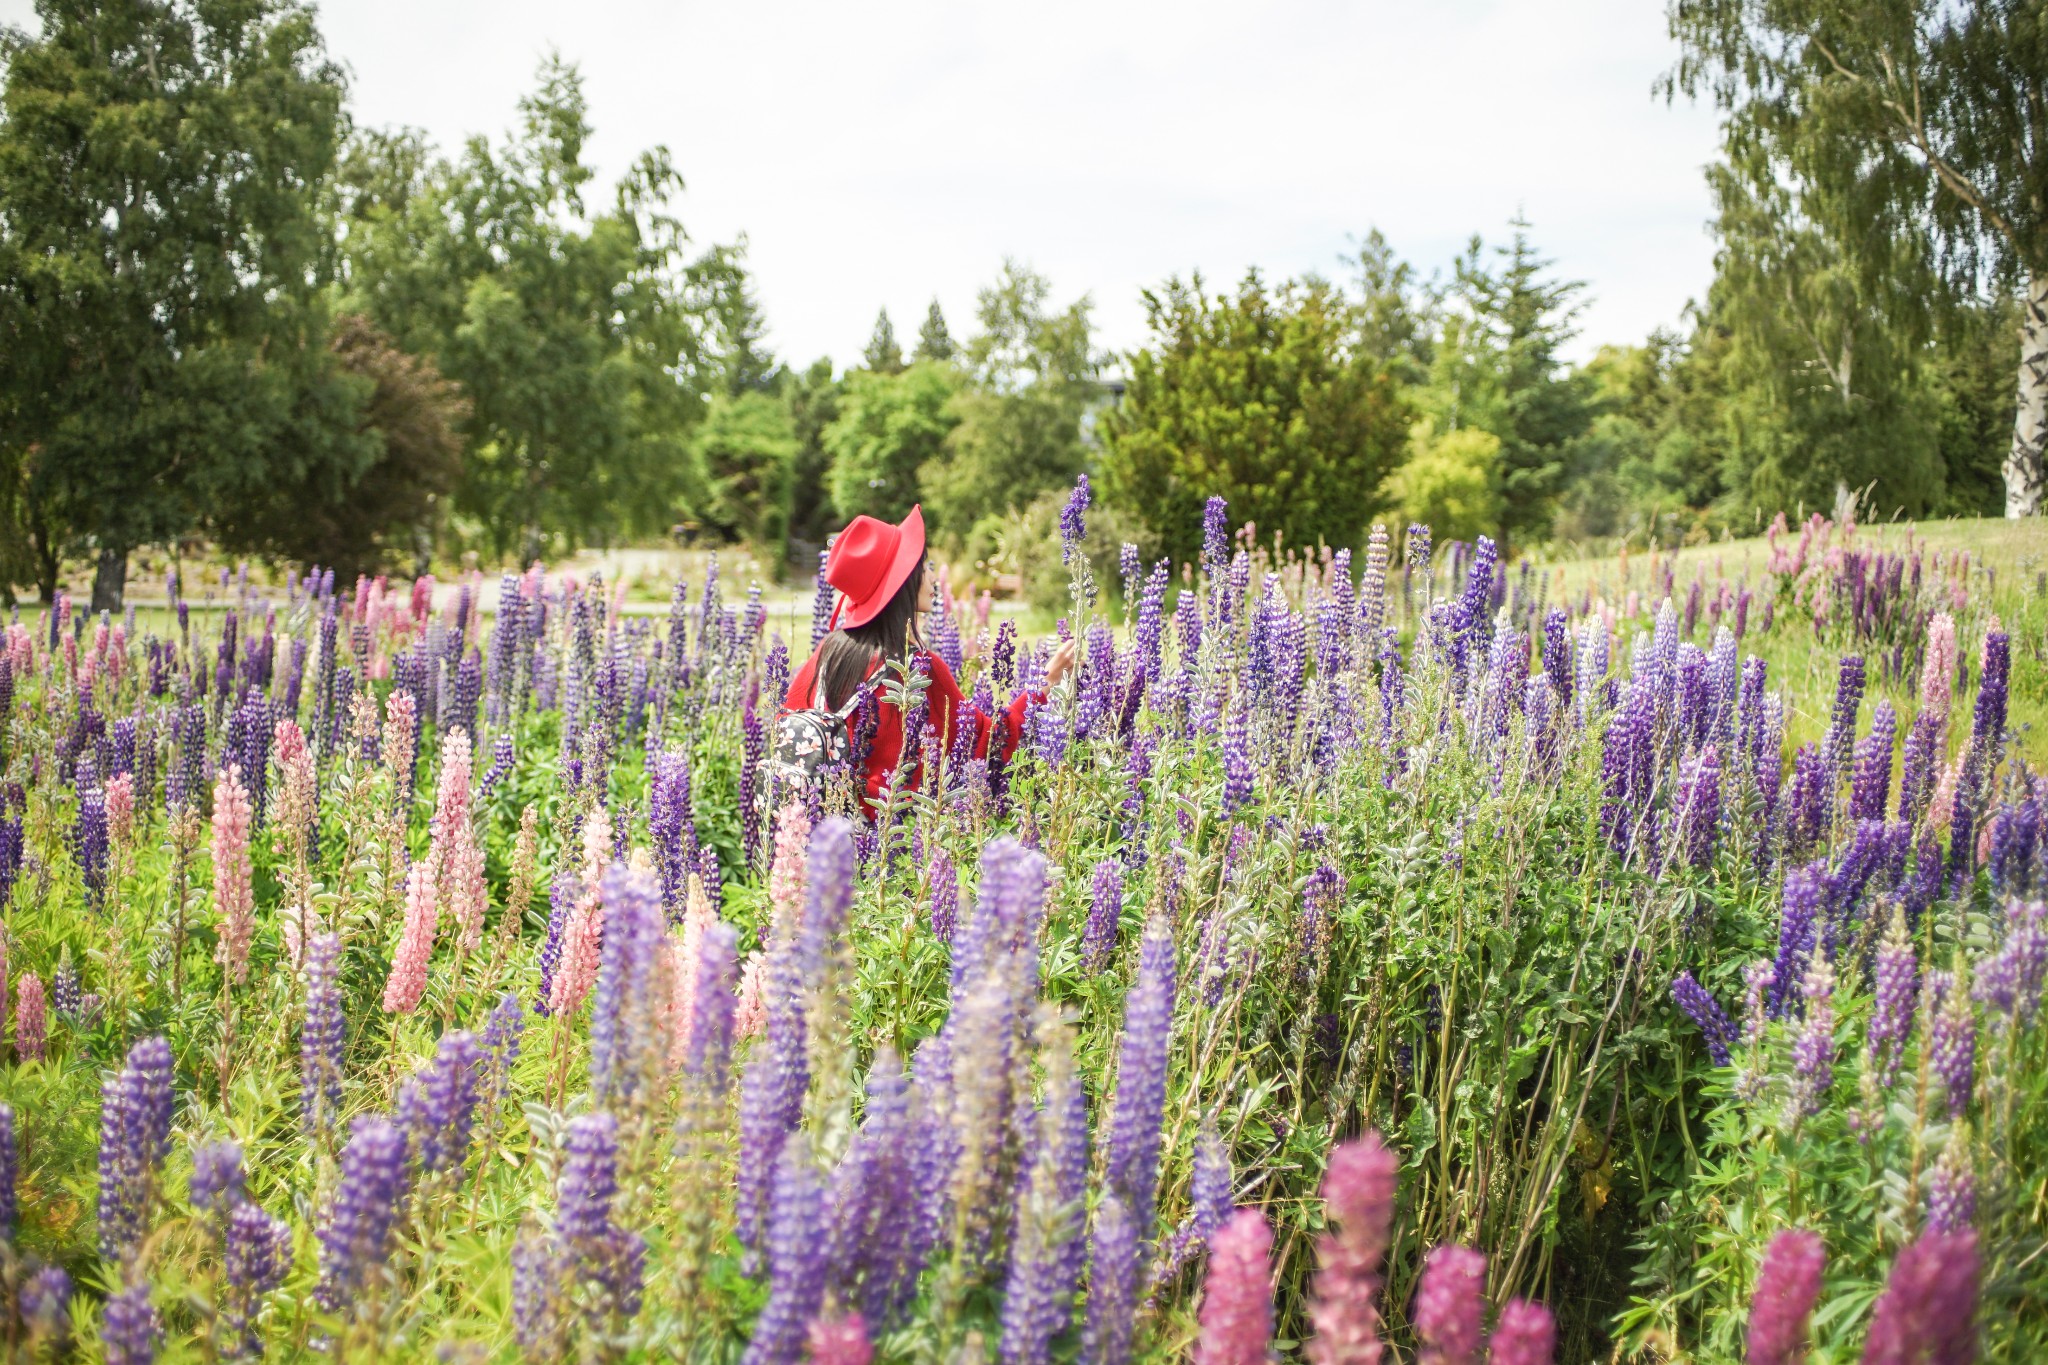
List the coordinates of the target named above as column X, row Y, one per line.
column 853, row 698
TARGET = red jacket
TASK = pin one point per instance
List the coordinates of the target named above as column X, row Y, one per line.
column 944, row 702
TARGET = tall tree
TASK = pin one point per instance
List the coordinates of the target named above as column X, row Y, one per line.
column 813, row 396
column 745, row 446
column 1923, row 115
column 1019, row 432
column 1259, row 398
column 934, row 341
column 1499, row 367
column 585, row 338
column 160, row 252
column 883, row 355
column 890, row 426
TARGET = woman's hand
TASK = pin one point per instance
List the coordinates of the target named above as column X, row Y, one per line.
column 1062, row 663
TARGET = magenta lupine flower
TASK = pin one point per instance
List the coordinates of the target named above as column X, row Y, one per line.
column 355, row 1235
column 1525, row 1335
column 1951, row 1037
column 797, row 1261
column 1714, row 1024
column 1237, row 1297
column 1358, row 1202
column 1952, row 1191
column 839, row 1341
column 31, row 1021
column 1928, row 1311
column 1787, row 1285
column 130, row 1330
column 1450, row 1306
column 135, row 1136
column 1112, row 1284
column 1105, row 910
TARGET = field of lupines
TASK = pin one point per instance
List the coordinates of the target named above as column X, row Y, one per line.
column 1409, row 962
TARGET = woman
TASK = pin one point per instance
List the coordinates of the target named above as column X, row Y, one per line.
column 878, row 572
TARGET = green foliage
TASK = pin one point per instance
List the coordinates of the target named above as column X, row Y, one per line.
column 746, row 447
column 160, row 244
column 813, row 396
column 1018, row 429
column 883, row 355
column 934, row 340
column 578, row 334
column 1447, row 482
column 890, row 426
column 1257, row 398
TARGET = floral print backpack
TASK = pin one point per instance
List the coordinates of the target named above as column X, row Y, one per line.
column 809, row 745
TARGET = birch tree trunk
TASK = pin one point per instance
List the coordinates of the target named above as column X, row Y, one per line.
column 2023, row 465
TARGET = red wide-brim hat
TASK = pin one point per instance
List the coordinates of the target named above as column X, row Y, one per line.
column 869, row 561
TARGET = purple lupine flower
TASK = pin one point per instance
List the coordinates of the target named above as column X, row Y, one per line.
column 10, row 1177
column 828, row 896
column 1112, row 1280
column 355, row 1235
column 1215, row 535
column 753, row 749
column 707, row 1051
column 1046, row 1248
column 1209, row 1203
column 1105, row 909
column 1238, row 773
column 1895, row 976
column 672, row 828
column 218, row 1184
column 1450, row 1307
column 1237, row 1298
column 437, row 1107
column 1951, row 1037
column 12, row 844
column 1952, row 1192
column 1525, row 1335
column 562, row 894
column 1074, row 520
column 1798, row 932
column 1692, row 712
column 1841, row 733
column 590, row 1178
column 503, row 757
column 1699, row 808
column 1987, row 725
column 1806, row 800
column 797, row 1260
column 46, row 1304
column 1928, row 1311
column 1787, row 1284
column 1870, row 781
column 1813, row 1052
column 625, row 1043
column 1132, row 1167
column 502, row 1029
column 130, row 1330
column 322, row 1035
column 1713, row 1021
column 771, row 1100
column 135, row 1136
column 89, row 842
column 875, row 1253
column 945, row 896
column 2010, row 981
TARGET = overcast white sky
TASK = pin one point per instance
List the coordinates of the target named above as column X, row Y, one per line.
column 882, row 153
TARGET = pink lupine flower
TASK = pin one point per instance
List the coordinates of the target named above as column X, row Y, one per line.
column 1358, row 1198
column 1237, row 1296
column 1941, row 807
column 30, row 1019
column 840, row 1341
column 408, row 979
column 452, row 796
column 1525, row 1335
column 1449, row 1307
column 120, row 797
column 582, row 945
column 401, row 724
column 1938, row 666
column 234, row 894
column 786, row 873
column 750, row 1016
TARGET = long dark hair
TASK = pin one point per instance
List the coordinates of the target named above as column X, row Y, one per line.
column 846, row 655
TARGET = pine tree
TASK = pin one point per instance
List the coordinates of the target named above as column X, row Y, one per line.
column 934, row 342
column 883, row 355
